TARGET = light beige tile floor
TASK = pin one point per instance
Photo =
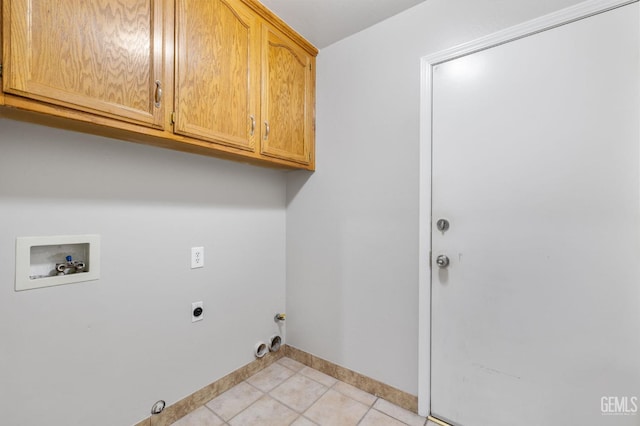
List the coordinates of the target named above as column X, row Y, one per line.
column 288, row 393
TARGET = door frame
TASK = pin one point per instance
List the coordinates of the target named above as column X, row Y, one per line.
column 547, row 22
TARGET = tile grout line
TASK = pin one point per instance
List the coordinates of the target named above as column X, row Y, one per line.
column 299, row 413
column 302, row 413
column 365, row 415
column 269, row 393
column 328, row 388
column 318, row 399
column 250, row 405
column 295, row 373
column 255, row 387
column 212, row 412
column 370, row 407
column 384, row 414
column 389, row 393
column 394, row 417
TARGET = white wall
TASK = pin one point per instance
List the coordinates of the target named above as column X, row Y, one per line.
column 101, row 353
column 352, row 227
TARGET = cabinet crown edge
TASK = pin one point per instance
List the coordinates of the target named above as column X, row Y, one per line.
column 266, row 14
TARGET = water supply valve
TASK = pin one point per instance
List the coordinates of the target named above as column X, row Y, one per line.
column 70, row 267
column 279, row 317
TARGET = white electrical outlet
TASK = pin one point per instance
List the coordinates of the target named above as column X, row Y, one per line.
column 197, row 257
column 197, row 311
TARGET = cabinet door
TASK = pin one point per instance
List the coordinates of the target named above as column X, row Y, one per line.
column 287, row 99
column 100, row 56
column 217, row 72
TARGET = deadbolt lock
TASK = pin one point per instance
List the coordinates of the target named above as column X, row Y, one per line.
column 442, row 224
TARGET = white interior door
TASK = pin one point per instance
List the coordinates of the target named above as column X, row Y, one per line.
column 536, row 167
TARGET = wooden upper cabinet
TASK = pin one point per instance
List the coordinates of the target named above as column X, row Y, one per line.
column 288, row 101
column 100, row 56
column 217, row 72
column 215, row 77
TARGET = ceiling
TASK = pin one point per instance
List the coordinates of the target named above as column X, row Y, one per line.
column 323, row 22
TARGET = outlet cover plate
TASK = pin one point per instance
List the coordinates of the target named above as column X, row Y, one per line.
column 197, row 257
column 195, row 305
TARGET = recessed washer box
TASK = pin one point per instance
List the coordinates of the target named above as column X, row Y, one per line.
column 37, row 257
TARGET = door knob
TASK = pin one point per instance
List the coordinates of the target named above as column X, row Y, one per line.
column 442, row 261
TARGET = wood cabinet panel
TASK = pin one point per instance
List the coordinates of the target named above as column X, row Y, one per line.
column 217, row 72
column 287, row 99
column 227, row 69
column 101, row 56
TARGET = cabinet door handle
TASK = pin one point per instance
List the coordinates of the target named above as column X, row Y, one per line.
column 158, row 96
column 253, row 125
column 266, row 130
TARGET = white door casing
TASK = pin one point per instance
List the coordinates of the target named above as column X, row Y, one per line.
column 525, row 339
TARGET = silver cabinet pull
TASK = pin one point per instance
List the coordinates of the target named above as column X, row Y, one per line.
column 253, row 125
column 266, row 130
column 158, row 96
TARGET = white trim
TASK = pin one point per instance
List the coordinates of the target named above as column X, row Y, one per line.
column 424, row 244
column 544, row 23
